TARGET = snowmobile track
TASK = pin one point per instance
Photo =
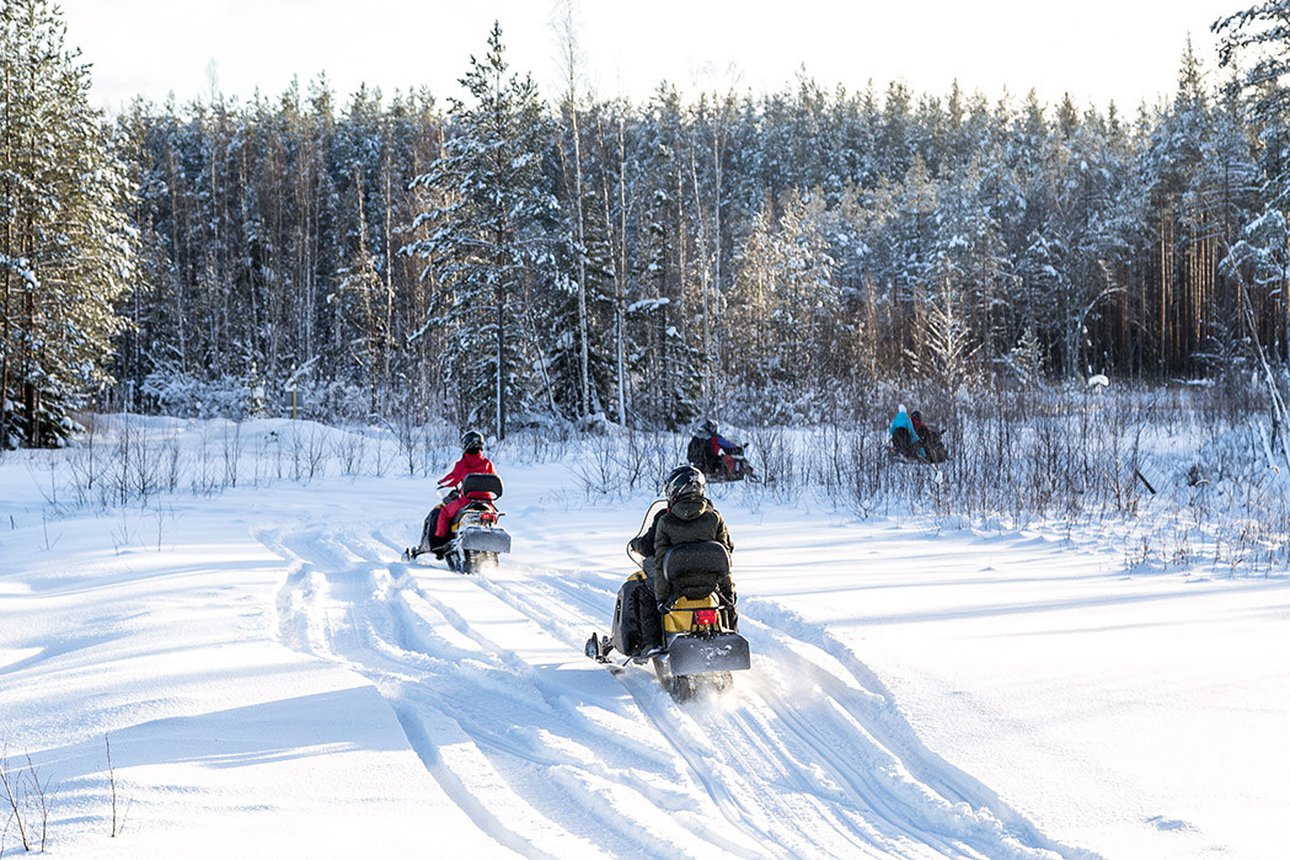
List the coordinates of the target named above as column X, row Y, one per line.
column 487, row 677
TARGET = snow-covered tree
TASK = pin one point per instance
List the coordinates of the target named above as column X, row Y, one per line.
column 67, row 252
column 1256, row 38
column 783, row 304
column 593, row 256
column 491, row 231
column 947, row 344
column 1255, row 44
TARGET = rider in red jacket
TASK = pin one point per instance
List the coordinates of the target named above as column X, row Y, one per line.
column 720, row 450
column 472, row 461
column 920, row 429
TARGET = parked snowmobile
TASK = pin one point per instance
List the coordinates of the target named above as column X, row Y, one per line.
column 475, row 538
column 693, row 640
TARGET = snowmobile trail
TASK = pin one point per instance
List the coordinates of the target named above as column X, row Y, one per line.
column 553, row 756
column 806, row 698
column 489, row 703
column 781, row 728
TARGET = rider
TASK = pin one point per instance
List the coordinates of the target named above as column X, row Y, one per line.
column 689, row 517
column 920, row 429
column 904, row 433
column 472, row 461
column 719, row 450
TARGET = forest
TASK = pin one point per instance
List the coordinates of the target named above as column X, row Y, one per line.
column 500, row 257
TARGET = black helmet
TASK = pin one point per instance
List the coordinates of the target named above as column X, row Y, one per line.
column 709, row 426
column 472, row 441
column 916, row 414
column 685, row 482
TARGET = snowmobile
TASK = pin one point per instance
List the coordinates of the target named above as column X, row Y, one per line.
column 699, row 454
column 693, row 640
column 475, row 538
column 928, row 449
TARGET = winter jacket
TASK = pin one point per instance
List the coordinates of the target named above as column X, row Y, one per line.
column 719, row 443
column 902, row 420
column 468, row 465
column 689, row 521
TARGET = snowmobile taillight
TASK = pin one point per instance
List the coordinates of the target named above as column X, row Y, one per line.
column 705, row 618
column 488, row 517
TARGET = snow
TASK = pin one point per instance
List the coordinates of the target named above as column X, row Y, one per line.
column 648, row 305
column 274, row 681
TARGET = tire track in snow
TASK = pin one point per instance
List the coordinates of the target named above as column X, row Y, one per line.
column 542, row 598
column 914, row 773
column 470, row 603
column 326, row 581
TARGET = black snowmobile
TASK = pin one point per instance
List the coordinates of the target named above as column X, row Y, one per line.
column 475, row 538
column 692, row 640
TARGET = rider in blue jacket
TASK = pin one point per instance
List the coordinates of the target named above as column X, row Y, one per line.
column 904, row 438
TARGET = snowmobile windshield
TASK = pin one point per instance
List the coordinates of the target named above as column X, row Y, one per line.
column 646, row 524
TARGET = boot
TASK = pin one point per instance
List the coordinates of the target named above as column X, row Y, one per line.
column 596, row 648
column 438, row 546
column 728, row 601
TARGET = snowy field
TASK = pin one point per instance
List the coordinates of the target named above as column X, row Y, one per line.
column 274, row 681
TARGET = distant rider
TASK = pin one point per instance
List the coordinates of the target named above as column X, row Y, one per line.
column 904, row 433
column 719, row 451
column 920, row 429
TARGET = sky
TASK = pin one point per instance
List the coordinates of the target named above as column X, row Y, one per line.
column 1098, row 51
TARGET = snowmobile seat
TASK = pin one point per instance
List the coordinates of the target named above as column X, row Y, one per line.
column 481, row 486
column 695, row 569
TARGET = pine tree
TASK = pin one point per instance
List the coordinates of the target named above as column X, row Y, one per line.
column 946, row 338
column 67, row 253
column 1261, row 34
column 492, row 229
column 572, row 170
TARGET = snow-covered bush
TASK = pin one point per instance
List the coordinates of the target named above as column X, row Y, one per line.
column 185, row 395
column 1172, row 467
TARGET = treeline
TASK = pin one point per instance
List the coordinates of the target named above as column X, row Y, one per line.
column 499, row 258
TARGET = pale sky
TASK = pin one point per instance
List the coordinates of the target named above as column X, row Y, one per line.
column 1097, row 50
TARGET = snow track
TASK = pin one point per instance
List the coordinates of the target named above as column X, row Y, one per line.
column 552, row 756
